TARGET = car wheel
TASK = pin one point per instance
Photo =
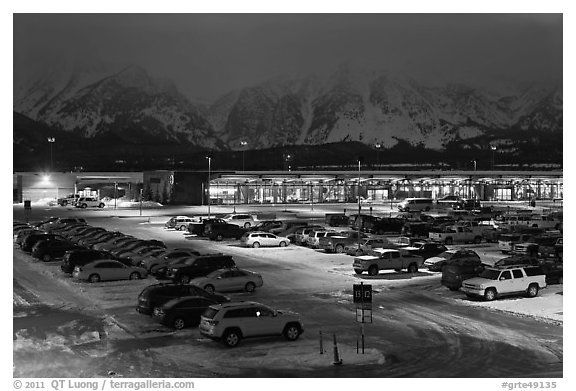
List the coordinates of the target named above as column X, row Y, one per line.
column 477, row 240
column 64, row 203
column 219, row 237
column 178, row 323
column 282, row 244
column 250, row 286
column 412, row 268
column 490, row 294
column 182, row 228
column 184, row 279
column 135, row 276
column 448, row 241
column 291, row 332
column 232, row 338
column 427, row 208
column 46, row 258
column 101, row 205
column 209, row 288
column 358, row 271
column 256, row 244
column 84, row 206
column 339, row 249
column 373, row 270
column 532, row 290
column 94, row 278
column 247, row 225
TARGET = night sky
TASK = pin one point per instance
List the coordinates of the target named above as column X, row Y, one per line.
column 208, row 55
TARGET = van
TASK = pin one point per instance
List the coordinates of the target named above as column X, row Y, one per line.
column 415, row 205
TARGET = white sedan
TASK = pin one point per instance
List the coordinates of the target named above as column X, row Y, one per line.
column 257, row 239
column 232, row 279
column 108, row 269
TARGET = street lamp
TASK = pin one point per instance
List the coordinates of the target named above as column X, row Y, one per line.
column 51, row 140
column 377, row 146
column 208, row 184
column 358, row 220
column 243, row 144
column 493, row 148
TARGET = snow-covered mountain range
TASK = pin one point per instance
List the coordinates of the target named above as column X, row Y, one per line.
column 349, row 105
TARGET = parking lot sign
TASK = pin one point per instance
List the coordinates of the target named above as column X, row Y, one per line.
column 362, row 293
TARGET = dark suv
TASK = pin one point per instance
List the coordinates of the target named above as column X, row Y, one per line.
column 80, row 258
column 47, row 250
column 221, row 231
column 155, row 295
column 199, row 266
column 459, row 270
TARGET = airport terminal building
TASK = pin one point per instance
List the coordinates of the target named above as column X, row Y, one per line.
column 285, row 187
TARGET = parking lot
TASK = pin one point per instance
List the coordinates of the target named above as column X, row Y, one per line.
column 417, row 322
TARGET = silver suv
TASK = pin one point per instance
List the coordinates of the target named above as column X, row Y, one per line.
column 85, row 202
column 506, row 280
column 230, row 322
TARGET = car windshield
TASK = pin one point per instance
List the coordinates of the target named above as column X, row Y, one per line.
column 490, row 274
column 447, row 254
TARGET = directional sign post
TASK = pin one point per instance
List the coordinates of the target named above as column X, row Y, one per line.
column 363, row 299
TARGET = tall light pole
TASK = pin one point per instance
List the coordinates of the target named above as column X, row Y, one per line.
column 358, row 220
column 493, row 148
column 377, row 146
column 51, row 140
column 208, row 183
column 243, row 144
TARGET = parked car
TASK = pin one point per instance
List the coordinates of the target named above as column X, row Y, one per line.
column 230, row 322
column 459, row 270
column 337, row 220
column 180, row 223
column 384, row 225
column 198, row 266
column 416, row 229
column 182, row 312
column 257, row 239
column 339, row 242
column 48, row 250
column 386, row 259
column 368, row 244
column 69, row 199
column 301, row 234
column 314, row 237
column 233, row 279
column 508, row 280
column 89, row 202
column 113, row 243
column 426, row 249
column 80, row 257
column 288, row 228
column 199, row 227
column 221, row 231
column 240, row 219
column 98, row 237
column 61, row 222
column 266, row 225
column 34, row 237
column 436, row 263
column 156, row 295
column 108, row 269
column 415, row 205
column 153, row 262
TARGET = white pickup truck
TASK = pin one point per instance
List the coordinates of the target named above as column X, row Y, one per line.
column 456, row 234
column 387, row 259
column 506, row 280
